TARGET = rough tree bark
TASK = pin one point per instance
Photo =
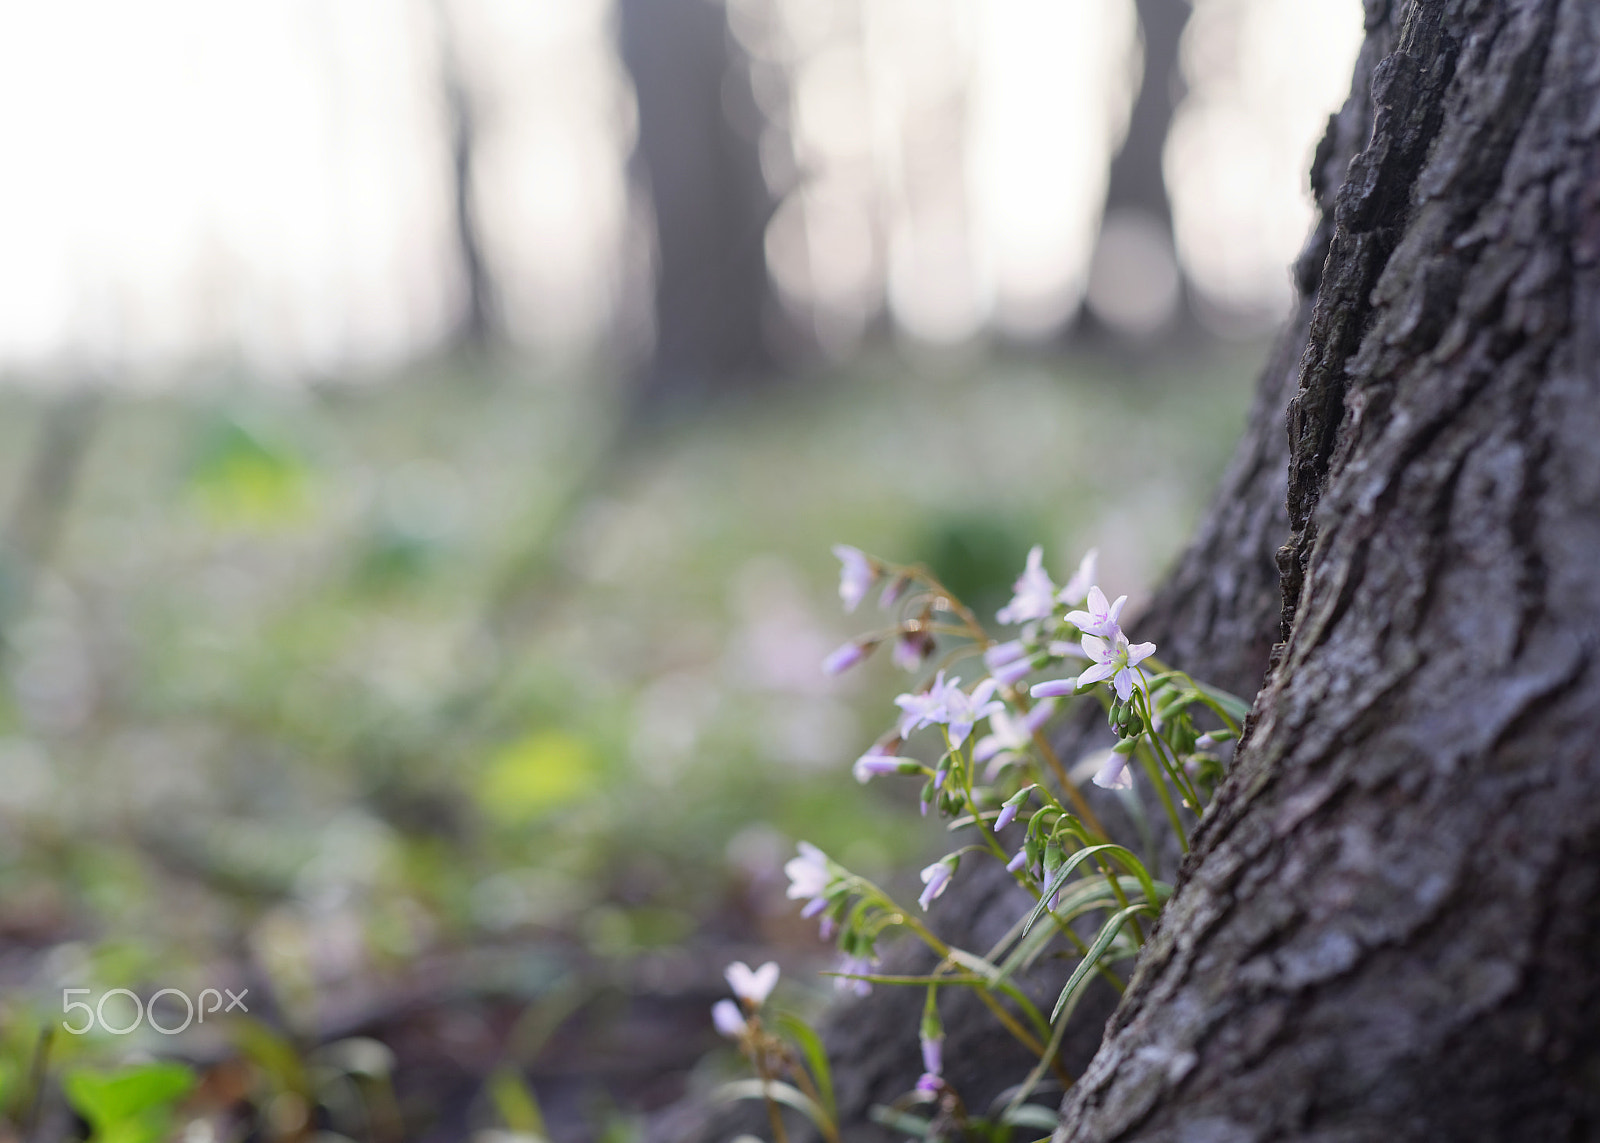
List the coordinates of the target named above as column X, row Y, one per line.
column 1390, row 923
column 1389, row 927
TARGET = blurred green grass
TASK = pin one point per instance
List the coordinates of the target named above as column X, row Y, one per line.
column 325, row 681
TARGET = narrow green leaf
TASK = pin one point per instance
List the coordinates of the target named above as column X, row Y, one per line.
column 912, row 1125
column 1108, row 931
column 1232, row 704
column 778, row 1092
column 976, row 964
column 516, row 1103
column 1123, row 856
column 1076, row 900
column 1031, row 1115
column 815, row 1054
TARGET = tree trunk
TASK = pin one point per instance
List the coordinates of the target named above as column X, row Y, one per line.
column 710, row 199
column 1136, row 187
column 1390, row 923
column 479, row 324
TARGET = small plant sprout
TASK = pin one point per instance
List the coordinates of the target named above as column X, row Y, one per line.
column 1074, row 873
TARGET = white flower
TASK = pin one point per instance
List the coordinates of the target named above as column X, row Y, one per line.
column 1114, row 659
column 1114, row 775
column 729, row 1020
column 1101, row 619
column 1033, row 595
column 752, row 986
column 809, row 876
column 856, row 575
column 1078, row 586
column 936, row 879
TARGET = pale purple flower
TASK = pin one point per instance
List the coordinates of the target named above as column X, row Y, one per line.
column 1078, row 586
column 1102, row 618
column 752, row 986
column 1033, row 595
column 845, row 657
column 1009, row 733
column 729, row 1020
column 1016, row 864
column 945, row 702
column 1205, row 742
column 856, row 575
column 935, row 880
column 1061, row 649
column 809, row 876
column 1013, row 805
column 893, row 590
column 911, row 648
column 963, row 710
column 1009, row 662
column 998, row 655
column 854, row 966
column 1052, row 688
column 932, row 1065
column 1116, row 660
column 922, row 707
column 1114, row 775
column 875, row 763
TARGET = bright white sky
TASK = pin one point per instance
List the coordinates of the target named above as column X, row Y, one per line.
column 265, row 181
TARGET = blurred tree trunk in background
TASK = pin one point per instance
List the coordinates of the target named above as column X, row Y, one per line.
column 1389, row 927
column 710, row 200
column 479, row 323
column 1136, row 231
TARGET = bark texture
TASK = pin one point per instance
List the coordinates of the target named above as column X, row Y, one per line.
column 1390, row 924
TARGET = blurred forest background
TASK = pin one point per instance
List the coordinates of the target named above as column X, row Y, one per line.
column 423, row 424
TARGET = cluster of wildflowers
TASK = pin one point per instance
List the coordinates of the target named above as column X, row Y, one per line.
column 993, row 771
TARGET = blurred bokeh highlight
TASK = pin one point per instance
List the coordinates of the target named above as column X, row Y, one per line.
column 423, row 425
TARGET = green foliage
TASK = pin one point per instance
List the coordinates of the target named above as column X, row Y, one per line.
column 134, row 1105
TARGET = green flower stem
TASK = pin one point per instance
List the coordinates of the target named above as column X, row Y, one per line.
column 899, row 916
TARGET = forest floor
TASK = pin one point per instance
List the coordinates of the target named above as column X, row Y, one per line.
column 473, row 743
